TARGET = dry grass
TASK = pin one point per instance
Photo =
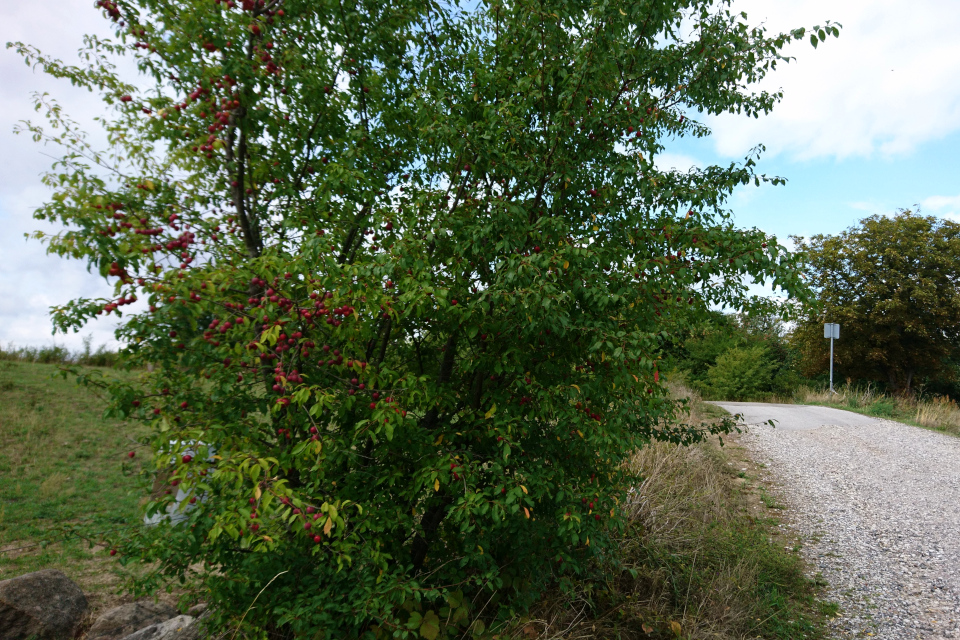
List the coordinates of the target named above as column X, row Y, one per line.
column 933, row 412
column 700, row 560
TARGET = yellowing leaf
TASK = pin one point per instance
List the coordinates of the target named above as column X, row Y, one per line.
column 524, row 489
column 527, row 511
column 328, row 526
column 575, row 387
column 566, row 264
column 431, row 626
column 439, row 440
column 675, row 627
column 148, row 185
column 268, row 538
column 256, row 492
column 489, row 414
column 436, row 484
column 580, row 432
column 622, row 13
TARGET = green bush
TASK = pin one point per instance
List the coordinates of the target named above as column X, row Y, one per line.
column 741, row 373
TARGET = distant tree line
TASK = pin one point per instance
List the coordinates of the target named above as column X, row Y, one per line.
column 893, row 285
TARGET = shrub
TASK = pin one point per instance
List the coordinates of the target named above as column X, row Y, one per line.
column 741, row 373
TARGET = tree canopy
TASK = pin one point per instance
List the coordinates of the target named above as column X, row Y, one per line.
column 409, row 266
column 892, row 285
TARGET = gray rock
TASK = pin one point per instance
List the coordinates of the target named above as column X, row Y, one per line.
column 127, row 618
column 46, row 604
column 197, row 609
column 173, row 629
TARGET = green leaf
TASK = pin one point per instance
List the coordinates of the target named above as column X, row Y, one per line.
column 431, row 625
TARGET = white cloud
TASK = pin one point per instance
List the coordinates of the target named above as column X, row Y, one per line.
column 667, row 161
column 941, row 202
column 31, row 281
column 945, row 206
column 886, row 85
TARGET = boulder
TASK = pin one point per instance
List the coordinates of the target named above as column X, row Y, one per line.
column 197, row 609
column 127, row 618
column 173, row 629
column 46, row 604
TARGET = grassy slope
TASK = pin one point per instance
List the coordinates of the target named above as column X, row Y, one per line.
column 61, row 465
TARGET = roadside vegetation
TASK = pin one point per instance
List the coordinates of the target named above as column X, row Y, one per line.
column 701, row 556
column 936, row 412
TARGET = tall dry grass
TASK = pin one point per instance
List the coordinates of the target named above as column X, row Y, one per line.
column 934, row 412
column 695, row 562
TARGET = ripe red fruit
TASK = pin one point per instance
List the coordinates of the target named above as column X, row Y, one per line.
column 183, row 405
column 307, row 525
column 113, row 552
column 192, row 500
column 453, row 302
column 131, row 454
column 156, row 412
column 186, row 459
column 125, row 98
column 317, row 539
column 596, row 516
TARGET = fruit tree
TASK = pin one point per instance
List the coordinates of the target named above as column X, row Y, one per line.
column 408, row 268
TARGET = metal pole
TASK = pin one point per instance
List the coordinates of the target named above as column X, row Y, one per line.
column 831, row 364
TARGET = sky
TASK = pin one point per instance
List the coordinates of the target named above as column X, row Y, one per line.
column 869, row 124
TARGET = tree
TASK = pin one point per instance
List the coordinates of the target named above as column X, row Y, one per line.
column 891, row 283
column 408, row 266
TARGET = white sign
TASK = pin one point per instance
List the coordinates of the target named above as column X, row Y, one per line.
column 831, row 330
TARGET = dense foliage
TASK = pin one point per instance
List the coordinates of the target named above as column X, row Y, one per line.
column 745, row 356
column 891, row 284
column 409, row 266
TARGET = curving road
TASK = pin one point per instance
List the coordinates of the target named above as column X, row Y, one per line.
column 876, row 504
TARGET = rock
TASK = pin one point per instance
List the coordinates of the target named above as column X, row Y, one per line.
column 46, row 604
column 174, row 629
column 127, row 618
column 197, row 609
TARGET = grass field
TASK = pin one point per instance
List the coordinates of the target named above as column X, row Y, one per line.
column 706, row 559
column 64, row 473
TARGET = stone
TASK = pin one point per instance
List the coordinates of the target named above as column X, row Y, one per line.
column 197, row 609
column 174, row 629
column 46, row 604
column 123, row 620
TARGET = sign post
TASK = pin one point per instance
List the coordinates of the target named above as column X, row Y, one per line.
column 831, row 330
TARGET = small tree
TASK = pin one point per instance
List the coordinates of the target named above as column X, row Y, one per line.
column 891, row 283
column 408, row 267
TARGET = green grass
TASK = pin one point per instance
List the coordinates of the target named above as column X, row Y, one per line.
column 62, row 466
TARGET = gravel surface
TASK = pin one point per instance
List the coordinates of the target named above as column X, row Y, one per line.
column 876, row 504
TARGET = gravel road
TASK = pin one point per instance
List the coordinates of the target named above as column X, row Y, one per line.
column 876, row 504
